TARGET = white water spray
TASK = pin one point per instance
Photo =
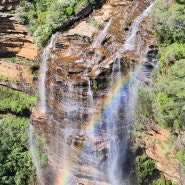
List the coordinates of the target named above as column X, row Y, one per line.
column 33, row 145
column 99, row 39
column 42, row 79
column 90, row 92
column 130, row 41
column 120, row 142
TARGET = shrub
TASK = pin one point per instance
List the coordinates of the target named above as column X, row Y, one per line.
column 16, row 101
column 170, row 23
column 146, row 172
column 42, row 35
column 48, row 16
column 169, row 97
column 15, row 161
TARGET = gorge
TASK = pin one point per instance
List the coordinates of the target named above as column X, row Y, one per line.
column 102, row 106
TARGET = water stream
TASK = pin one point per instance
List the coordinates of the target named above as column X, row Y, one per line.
column 34, row 150
column 130, row 42
column 99, row 39
column 42, row 79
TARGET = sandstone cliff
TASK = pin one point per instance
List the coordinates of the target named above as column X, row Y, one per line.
column 15, row 43
column 156, row 141
column 15, row 39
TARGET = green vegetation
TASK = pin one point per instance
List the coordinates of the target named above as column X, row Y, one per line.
column 45, row 17
column 164, row 103
column 146, row 172
column 169, row 102
column 16, row 166
column 169, row 86
column 170, row 22
column 15, row 161
column 15, row 101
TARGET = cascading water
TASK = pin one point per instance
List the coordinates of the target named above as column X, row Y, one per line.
column 123, row 103
column 33, row 145
column 43, row 70
column 98, row 40
column 89, row 140
column 130, row 41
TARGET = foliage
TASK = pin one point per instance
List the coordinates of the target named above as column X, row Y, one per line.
column 15, row 162
column 146, row 172
column 170, row 22
column 169, row 97
column 145, row 102
column 16, row 101
column 45, row 17
column 164, row 103
column 94, row 23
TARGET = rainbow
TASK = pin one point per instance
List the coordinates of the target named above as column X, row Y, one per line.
column 108, row 101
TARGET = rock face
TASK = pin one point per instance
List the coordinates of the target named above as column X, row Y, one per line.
column 15, row 42
column 156, row 144
column 17, row 75
column 6, row 5
column 14, row 39
column 80, row 64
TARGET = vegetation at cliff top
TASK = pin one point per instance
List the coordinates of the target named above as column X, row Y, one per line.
column 45, row 17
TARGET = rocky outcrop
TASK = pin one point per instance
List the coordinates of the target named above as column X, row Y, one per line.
column 16, row 73
column 14, row 38
column 6, row 5
column 155, row 141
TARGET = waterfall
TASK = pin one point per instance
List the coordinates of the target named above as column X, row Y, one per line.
column 34, row 150
column 95, row 125
column 124, row 102
column 98, row 40
column 90, row 92
column 42, row 79
column 130, row 41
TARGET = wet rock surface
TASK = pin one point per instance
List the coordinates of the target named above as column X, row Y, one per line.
column 80, row 68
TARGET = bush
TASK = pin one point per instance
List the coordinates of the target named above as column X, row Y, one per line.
column 169, row 97
column 146, row 172
column 15, row 101
column 42, row 35
column 170, row 23
column 48, row 16
column 15, row 161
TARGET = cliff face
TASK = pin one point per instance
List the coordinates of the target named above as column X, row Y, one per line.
column 14, row 38
column 15, row 42
column 77, row 82
column 156, row 142
column 75, row 64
